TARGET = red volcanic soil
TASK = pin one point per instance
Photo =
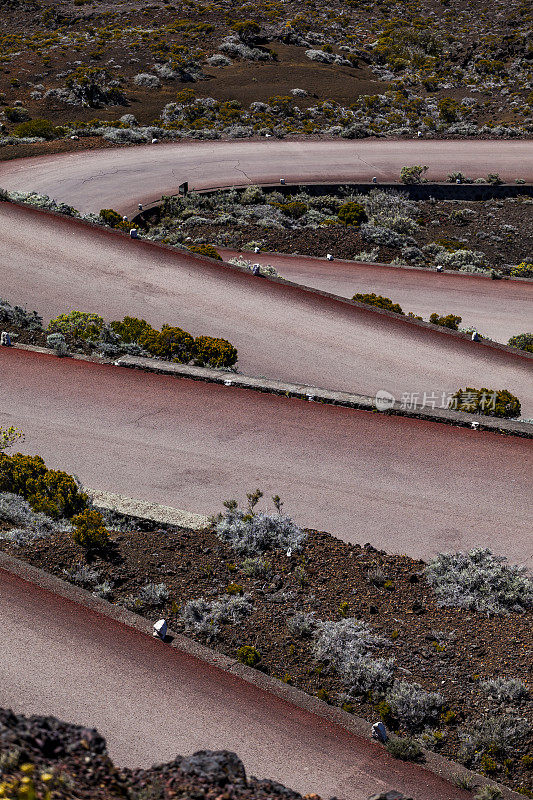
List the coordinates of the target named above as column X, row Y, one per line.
column 404, row 485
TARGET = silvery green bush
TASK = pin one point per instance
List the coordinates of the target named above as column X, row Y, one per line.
column 251, row 533
column 147, row 80
column 413, row 706
column 481, row 581
column 82, row 575
column 365, row 674
column 505, row 689
column 377, row 234
column 344, row 640
column 496, row 734
column 302, row 624
column 15, row 315
column 18, row 511
column 154, row 594
column 462, row 260
column 203, row 617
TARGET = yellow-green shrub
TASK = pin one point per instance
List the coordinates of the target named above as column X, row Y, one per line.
column 114, row 219
column 248, row 655
column 214, row 352
column 90, row 531
column 489, row 402
column 379, row 301
column 80, row 324
column 51, row 491
column 174, row 343
column 522, row 270
column 352, row 214
column 131, row 329
column 205, row 250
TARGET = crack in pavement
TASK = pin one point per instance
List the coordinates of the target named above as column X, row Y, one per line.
column 243, row 172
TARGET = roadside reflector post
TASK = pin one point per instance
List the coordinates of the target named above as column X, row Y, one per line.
column 160, row 629
column 379, row 732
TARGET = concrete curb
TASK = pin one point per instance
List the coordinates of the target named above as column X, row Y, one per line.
column 356, row 402
column 140, row 509
column 434, row 763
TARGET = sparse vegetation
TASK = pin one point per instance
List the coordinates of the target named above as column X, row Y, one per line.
column 89, row 530
column 480, row 580
column 252, row 533
column 489, row 402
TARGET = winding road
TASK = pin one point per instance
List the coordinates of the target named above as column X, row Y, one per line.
column 282, row 332
column 497, row 309
column 122, row 177
column 402, row 484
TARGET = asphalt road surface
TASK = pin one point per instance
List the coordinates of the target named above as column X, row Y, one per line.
column 122, row 177
column 280, row 332
column 152, row 703
column 404, row 485
column 497, row 309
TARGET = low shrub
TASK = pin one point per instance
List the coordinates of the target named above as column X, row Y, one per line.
column 131, row 329
column 379, row 301
column 169, row 343
column 522, row 270
column 256, row 566
column 496, row 735
column 82, row 575
column 352, row 213
column 449, row 321
column 203, row 617
column 214, row 352
column 302, row 624
column 205, row 250
column 53, row 492
column 405, row 749
column 249, row 656
column 295, row 209
column 234, row 589
column 80, row 324
column 413, row 174
column 114, row 220
column 505, row 689
column 41, row 128
column 33, row 525
column 15, row 315
column 462, row 260
column 341, row 641
column 154, row 594
column 16, row 113
column 89, row 530
column 488, row 402
column 481, row 581
column 413, row 706
column 8, row 437
column 253, row 533
column 363, row 675
column 488, row 792
column 523, row 341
